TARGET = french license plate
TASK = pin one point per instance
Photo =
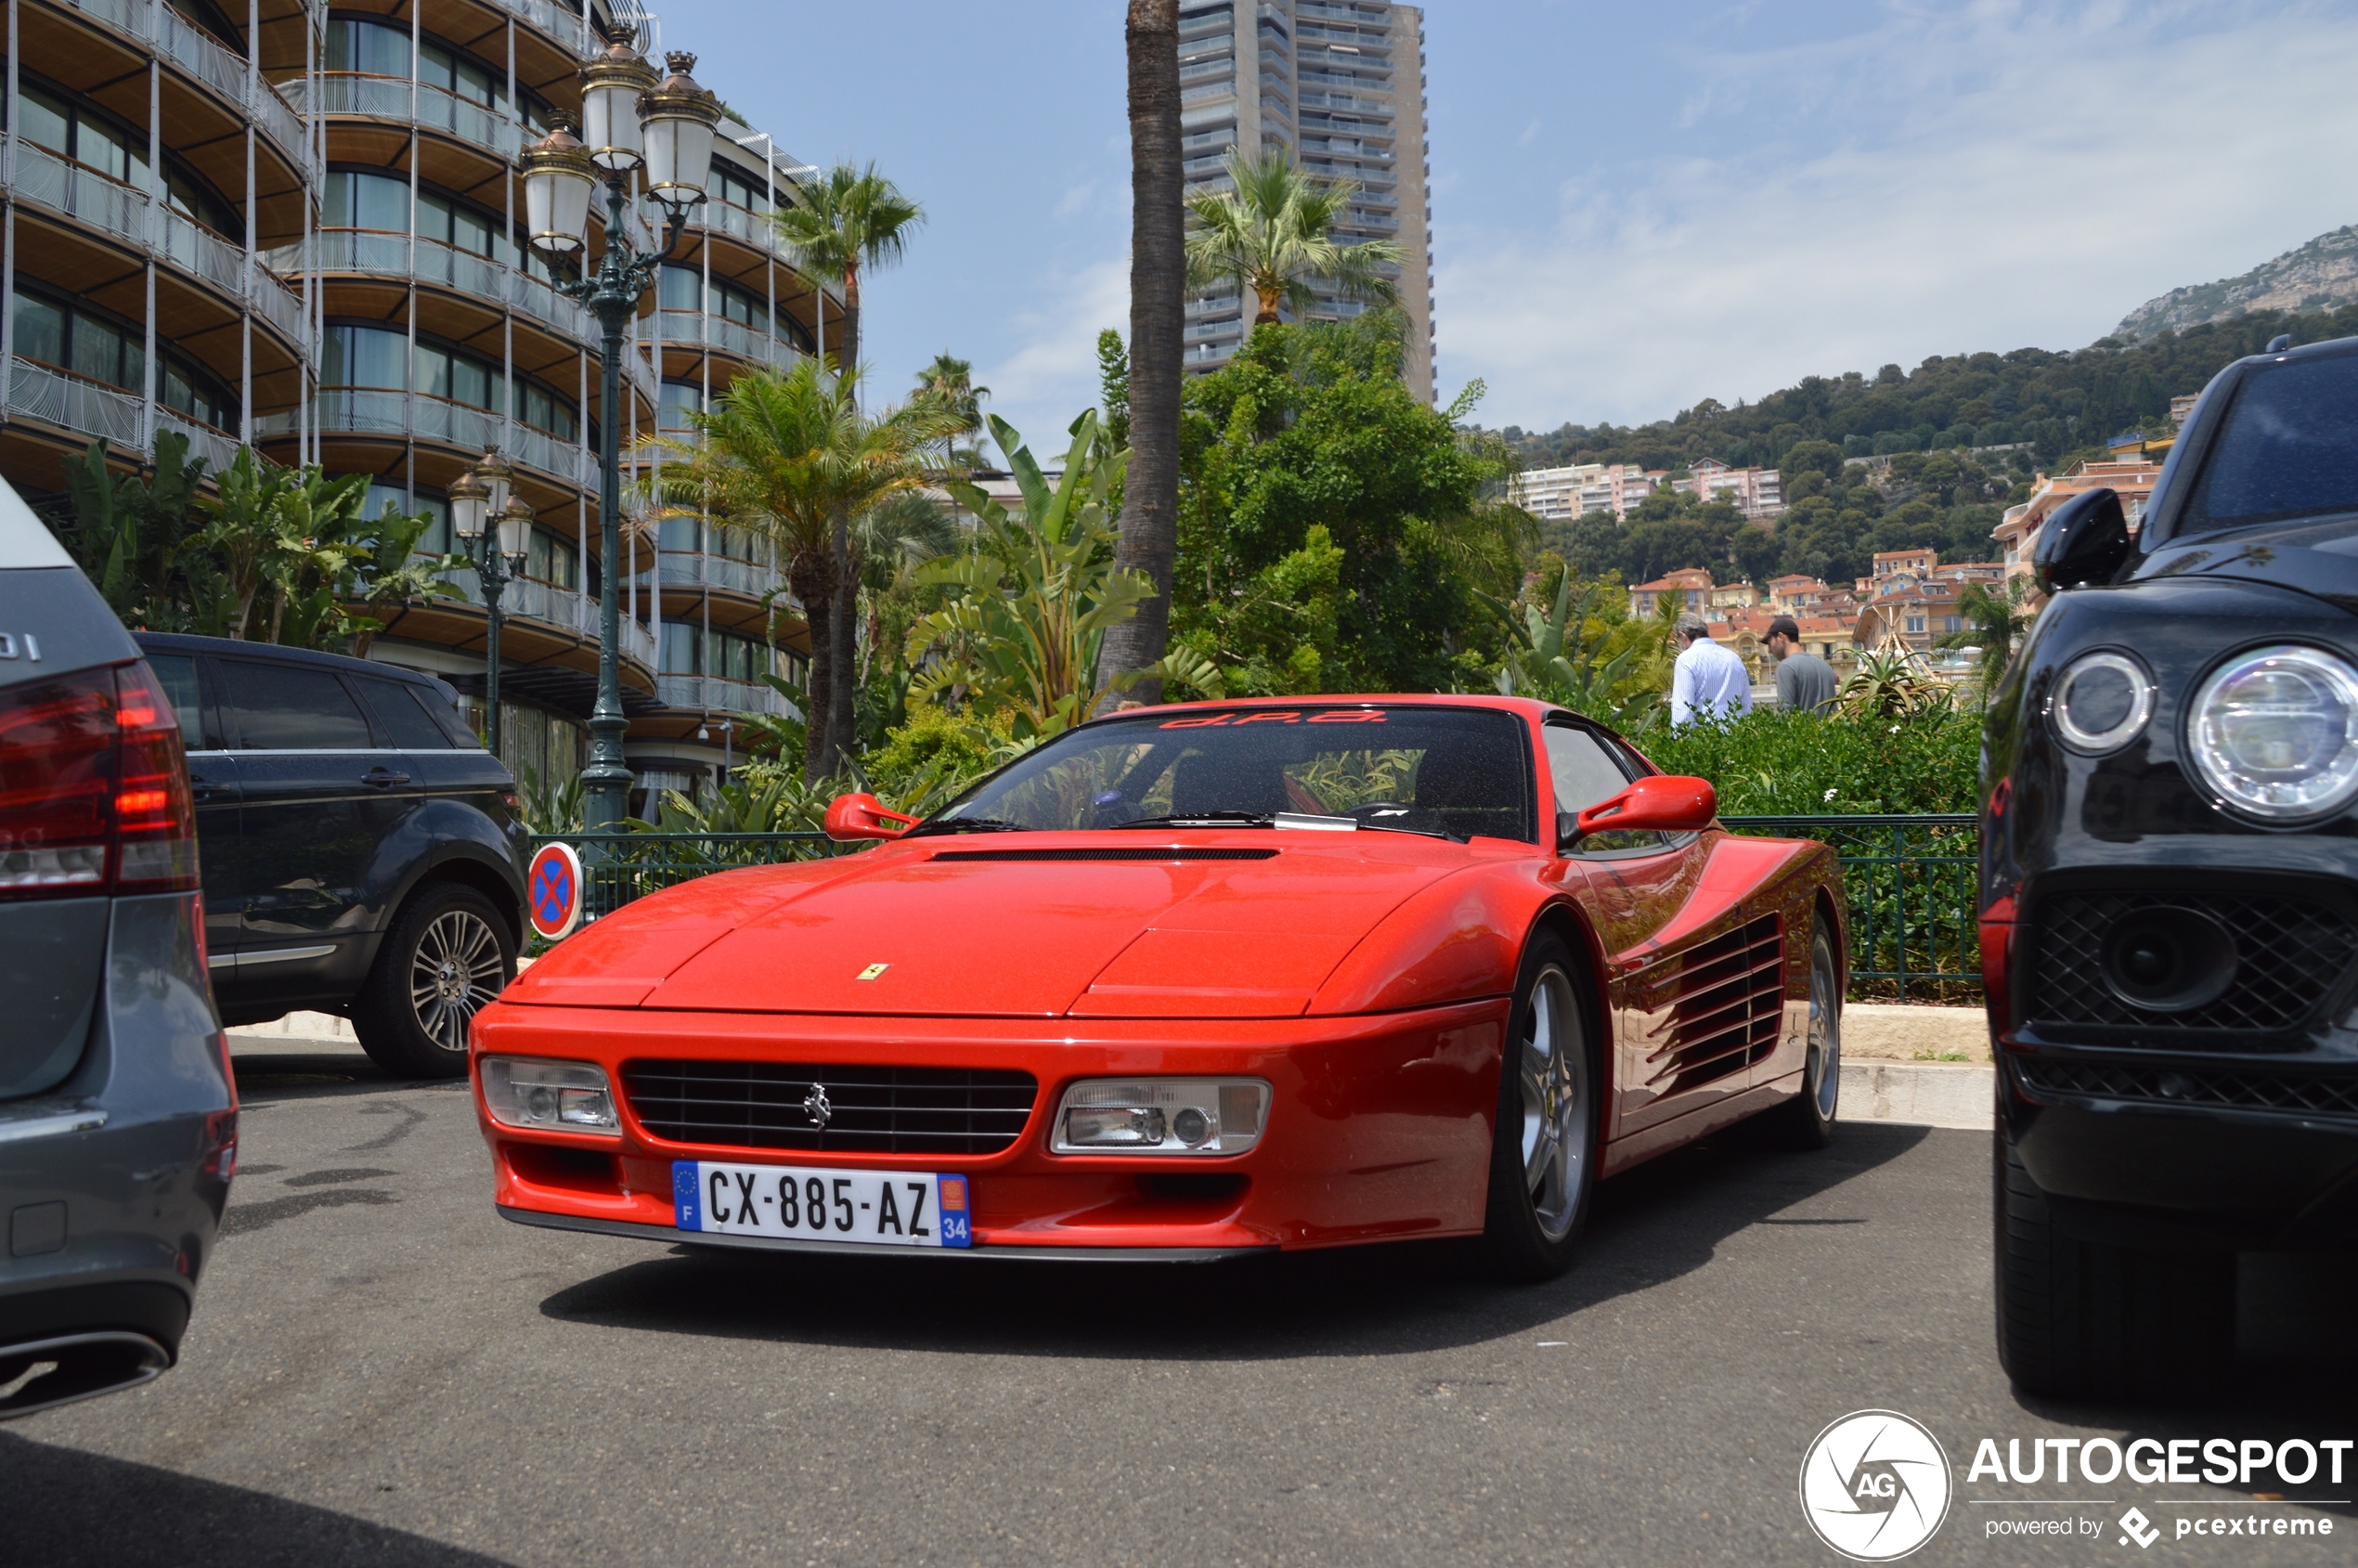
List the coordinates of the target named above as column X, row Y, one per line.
column 871, row 1208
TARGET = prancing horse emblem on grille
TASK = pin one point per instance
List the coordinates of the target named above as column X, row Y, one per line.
column 816, row 1106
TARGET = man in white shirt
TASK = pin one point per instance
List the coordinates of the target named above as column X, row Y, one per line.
column 1706, row 680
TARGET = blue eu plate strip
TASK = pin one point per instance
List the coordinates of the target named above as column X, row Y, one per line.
column 949, row 1202
column 687, row 1194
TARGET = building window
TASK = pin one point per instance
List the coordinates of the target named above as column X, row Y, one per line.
column 676, row 416
column 723, row 656
column 374, row 357
column 737, row 188
column 80, row 339
column 550, row 560
column 365, row 47
column 1915, row 622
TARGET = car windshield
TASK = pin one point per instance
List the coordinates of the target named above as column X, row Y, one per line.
column 2288, row 448
column 1456, row 772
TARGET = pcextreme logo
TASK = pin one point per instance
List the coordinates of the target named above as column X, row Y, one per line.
column 1875, row 1485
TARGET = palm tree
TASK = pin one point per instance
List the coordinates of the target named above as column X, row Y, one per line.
column 788, row 454
column 1994, row 623
column 846, row 220
column 951, row 380
column 1274, row 233
column 1147, row 538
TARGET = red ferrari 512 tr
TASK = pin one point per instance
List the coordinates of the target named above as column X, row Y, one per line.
column 1185, row 982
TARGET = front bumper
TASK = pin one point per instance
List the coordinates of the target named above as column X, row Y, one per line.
column 1378, row 1127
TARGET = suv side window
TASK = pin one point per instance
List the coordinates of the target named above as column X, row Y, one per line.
column 404, row 716
column 287, row 707
column 1587, row 770
column 177, row 674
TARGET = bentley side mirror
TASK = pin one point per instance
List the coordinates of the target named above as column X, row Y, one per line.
column 2084, row 540
column 864, row 816
column 1664, row 803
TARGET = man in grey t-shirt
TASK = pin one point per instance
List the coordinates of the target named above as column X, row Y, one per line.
column 1804, row 680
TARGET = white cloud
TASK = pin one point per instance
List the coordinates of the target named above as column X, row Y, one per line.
column 1530, row 134
column 1076, row 201
column 1052, row 375
column 2019, row 177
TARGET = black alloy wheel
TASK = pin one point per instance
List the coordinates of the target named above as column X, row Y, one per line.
column 447, row 955
column 1545, row 1146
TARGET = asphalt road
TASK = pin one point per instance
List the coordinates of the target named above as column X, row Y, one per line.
column 382, row 1371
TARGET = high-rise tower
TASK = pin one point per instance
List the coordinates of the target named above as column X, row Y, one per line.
column 1341, row 83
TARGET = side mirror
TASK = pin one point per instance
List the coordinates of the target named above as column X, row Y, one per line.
column 864, row 816
column 2084, row 540
column 1664, row 803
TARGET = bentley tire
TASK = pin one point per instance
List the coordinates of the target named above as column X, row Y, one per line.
column 1807, row 1121
column 2088, row 1320
column 1543, row 1157
column 447, row 955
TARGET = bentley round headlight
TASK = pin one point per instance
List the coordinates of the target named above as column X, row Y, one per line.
column 2103, row 701
column 2274, row 733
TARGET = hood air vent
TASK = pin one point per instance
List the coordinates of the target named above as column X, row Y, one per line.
column 1165, row 852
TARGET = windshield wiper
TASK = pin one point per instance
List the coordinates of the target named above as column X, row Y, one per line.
column 1206, row 819
column 963, row 824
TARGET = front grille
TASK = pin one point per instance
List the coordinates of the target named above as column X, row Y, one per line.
column 866, row 1109
column 2298, row 1094
column 2291, row 952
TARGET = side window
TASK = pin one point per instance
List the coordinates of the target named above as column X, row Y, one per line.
column 177, row 674
column 285, row 707
column 1586, row 771
column 404, row 719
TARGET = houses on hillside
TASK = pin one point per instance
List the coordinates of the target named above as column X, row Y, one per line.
column 2132, row 477
column 1560, row 494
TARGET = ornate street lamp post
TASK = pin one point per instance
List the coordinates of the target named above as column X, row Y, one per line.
column 632, row 120
column 494, row 531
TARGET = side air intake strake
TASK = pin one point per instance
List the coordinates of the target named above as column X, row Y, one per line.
column 1718, row 1006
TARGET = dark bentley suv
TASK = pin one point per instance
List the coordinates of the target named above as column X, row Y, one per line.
column 361, row 851
column 2169, row 889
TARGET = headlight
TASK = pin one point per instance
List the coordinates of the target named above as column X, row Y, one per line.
column 2102, row 702
column 2274, row 733
column 551, row 1097
column 1161, row 1116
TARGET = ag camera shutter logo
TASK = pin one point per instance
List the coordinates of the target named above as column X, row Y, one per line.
column 1875, row 1485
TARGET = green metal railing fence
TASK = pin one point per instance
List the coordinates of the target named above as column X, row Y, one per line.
column 1912, row 882
column 1913, row 886
column 618, row 867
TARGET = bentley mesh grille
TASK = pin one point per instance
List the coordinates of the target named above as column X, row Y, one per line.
column 2301, row 1095
column 1726, row 1003
column 862, row 1110
column 1168, row 852
column 2292, row 952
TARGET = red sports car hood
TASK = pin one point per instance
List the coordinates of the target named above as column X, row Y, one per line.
column 1227, row 926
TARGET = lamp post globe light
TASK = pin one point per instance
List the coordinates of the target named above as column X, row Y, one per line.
column 494, row 531
column 630, row 120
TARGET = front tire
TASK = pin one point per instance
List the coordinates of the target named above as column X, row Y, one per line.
column 447, row 955
column 2088, row 1320
column 1544, row 1148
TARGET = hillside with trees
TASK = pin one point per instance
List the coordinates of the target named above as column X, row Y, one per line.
column 2319, row 276
column 1960, row 436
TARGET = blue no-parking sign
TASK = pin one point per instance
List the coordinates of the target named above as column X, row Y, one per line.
column 553, row 891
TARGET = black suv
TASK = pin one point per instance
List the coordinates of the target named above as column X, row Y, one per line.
column 360, row 850
column 2169, row 889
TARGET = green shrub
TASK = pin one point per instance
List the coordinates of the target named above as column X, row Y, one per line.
column 1780, row 762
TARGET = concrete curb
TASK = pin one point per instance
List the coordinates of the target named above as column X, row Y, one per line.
column 1919, row 1093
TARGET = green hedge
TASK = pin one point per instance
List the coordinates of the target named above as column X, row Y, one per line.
column 1777, row 762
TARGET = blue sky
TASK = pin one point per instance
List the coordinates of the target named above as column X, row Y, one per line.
column 1634, row 206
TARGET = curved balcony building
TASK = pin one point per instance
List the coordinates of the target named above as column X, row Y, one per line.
column 300, row 228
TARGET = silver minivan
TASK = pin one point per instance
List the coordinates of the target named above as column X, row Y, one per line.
column 118, row 1116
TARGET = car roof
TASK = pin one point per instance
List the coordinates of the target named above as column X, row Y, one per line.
column 25, row 542
column 185, row 643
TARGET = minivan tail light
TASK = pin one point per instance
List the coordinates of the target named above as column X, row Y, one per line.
column 94, row 792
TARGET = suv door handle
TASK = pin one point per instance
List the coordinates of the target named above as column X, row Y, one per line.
column 383, row 777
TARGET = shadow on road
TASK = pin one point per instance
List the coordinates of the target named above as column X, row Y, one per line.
column 1655, row 1223
column 71, row 1509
